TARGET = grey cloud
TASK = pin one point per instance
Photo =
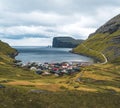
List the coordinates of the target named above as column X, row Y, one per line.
column 48, row 18
column 59, row 6
column 23, row 36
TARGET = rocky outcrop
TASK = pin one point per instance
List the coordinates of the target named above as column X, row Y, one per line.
column 110, row 27
column 65, row 42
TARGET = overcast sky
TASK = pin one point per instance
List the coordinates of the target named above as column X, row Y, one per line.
column 36, row 22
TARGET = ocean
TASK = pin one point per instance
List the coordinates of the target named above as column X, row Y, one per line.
column 50, row 55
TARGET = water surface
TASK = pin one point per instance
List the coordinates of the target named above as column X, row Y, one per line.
column 45, row 54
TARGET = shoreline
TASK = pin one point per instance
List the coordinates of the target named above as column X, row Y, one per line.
column 56, row 68
column 68, row 57
column 95, row 60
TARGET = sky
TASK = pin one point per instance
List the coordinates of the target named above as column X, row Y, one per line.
column 36, row 22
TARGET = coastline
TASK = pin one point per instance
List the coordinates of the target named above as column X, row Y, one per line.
column 50, row 55
column 95, row 60
column 56, row 68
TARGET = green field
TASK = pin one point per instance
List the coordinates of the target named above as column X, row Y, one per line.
column 99, row 87
column 95, row 86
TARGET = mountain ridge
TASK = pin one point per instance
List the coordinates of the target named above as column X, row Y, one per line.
column 106, row 40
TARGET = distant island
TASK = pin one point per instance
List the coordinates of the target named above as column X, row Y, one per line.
column 65, row 42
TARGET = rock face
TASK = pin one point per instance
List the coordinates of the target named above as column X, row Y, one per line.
column 111, row 26
column 65, row 42
column 105, row 40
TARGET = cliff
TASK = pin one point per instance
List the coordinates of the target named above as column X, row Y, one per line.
column 65, row 42
column 105, row 40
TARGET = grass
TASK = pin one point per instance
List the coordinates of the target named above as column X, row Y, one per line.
column 6, row 49
column 94, row 89
column 93, row 78
column 101, row 43
column 15, row 98
column 82, row 50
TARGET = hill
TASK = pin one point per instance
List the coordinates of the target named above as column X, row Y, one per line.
column 65, row 42
column 105, row 41
column 92, row 87
column 6, row 52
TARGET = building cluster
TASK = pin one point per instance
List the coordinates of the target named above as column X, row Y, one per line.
column 57, row 69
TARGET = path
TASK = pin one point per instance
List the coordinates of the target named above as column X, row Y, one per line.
column 81, row 74
column 97, row 52
column 104, row 59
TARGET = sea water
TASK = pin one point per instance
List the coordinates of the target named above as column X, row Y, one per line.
column 50, row 55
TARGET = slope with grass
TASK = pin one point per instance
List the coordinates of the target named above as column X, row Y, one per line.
column 105, row 40
column 24, row 88
column 94, row 89
column 6, row 53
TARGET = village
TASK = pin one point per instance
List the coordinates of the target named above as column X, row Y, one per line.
column 58, row 69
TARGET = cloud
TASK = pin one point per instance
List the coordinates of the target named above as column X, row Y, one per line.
column 58, row 6
column 29, row 41
column 19, row 32
column 43, row 19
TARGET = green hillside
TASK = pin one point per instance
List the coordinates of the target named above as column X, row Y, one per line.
column 106, row 40
column 6, row 53
column 92, row 87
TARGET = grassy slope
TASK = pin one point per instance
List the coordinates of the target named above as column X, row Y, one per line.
column 5, row 48
column 96, row 87
column 5, row 52
column 93, row 76
column 100, row 43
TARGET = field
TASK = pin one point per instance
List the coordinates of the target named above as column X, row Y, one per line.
column 96, row 86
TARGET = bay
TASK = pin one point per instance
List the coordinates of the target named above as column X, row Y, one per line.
column 51, row 55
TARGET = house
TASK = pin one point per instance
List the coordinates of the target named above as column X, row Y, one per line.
column 46, row 73
column 33, row 68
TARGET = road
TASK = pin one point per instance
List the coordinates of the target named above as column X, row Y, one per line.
column 81, row 74
column 97, row 52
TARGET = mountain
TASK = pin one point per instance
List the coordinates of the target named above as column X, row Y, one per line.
column 65, row 42
column 6, row 52
column 104, row 43
column 85, row 89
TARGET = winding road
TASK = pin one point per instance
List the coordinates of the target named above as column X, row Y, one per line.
column 104, row 59
column 81, row 74
column 97, row 52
